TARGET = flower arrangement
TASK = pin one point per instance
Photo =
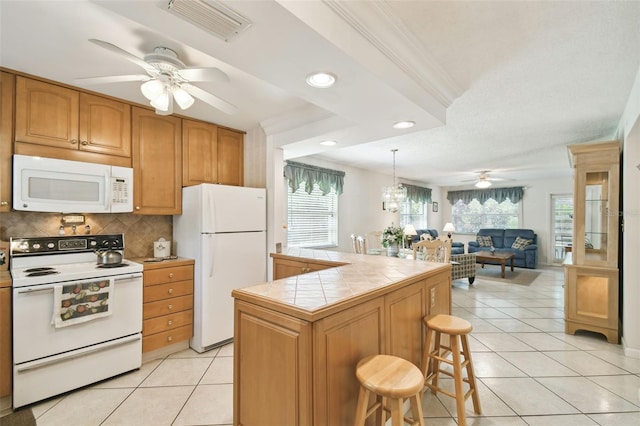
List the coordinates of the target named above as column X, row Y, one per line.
column 392, row 235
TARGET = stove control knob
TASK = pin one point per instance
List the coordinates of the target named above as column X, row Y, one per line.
column 23, row 246
column 36, row 246
column 51, row 245
column 93, row 243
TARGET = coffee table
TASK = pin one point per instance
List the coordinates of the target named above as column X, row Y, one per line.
column 487, row 256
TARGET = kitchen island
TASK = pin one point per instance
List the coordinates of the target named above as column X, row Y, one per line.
column 297, row 340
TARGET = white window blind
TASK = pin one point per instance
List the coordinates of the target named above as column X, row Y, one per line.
column 312, row 218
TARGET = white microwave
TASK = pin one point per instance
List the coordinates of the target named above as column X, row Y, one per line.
column 50, row 185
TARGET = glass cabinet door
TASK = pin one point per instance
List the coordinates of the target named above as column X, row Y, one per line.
column 596, row 214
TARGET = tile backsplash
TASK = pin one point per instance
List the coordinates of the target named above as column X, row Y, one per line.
column 140, row 231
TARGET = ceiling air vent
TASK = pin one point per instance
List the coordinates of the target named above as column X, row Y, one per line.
column 212, row 16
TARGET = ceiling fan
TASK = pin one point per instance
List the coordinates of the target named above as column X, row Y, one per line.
column 484, row 180
column 167, row 80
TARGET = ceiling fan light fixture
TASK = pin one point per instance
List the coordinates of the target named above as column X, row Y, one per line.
column 483, row 183
column 182, row 97
column 152, row 89
column 161, row 102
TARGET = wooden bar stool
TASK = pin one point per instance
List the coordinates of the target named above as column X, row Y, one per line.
column 392, row 380
column 457, row 329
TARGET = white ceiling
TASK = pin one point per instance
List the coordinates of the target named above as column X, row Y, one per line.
column 498, row 86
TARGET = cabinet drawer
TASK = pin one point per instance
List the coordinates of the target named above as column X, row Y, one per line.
column 166, row 291
column 167, row 306
column 168, row 275
column 167, row 322
column 158, row 340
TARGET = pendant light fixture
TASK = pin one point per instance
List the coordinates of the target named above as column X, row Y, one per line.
column 395, row 195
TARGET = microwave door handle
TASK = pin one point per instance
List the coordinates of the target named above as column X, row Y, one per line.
column 109, row 191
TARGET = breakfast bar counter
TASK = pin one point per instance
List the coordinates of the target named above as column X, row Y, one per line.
column 298, row 339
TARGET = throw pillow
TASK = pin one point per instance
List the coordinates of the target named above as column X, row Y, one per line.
column 520, row 243
column 484, row 241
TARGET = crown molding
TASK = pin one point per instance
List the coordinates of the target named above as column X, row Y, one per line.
column 399, row 45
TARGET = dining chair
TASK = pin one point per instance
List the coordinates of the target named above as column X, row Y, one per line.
column 362, row 244
column 354, row 244
column 434, row 250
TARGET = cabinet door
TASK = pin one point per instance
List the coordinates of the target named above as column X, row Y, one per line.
column 272, row 372
column 404, row 309
column 7, row 86
column 5, row 341
column 230, row 157
column 199, row 152
column 340, row 342
column 46, row 114
column 105, row 126
column 157, row 163
column 283, row 268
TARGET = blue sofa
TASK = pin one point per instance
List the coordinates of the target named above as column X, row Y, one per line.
column 503, row 240
column 456, row 247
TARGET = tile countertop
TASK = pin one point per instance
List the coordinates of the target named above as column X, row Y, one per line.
column 355, row 279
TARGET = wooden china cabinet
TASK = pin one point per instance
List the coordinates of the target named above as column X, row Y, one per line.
column 591, row 269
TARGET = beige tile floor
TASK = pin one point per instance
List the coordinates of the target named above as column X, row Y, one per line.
column 529, row 372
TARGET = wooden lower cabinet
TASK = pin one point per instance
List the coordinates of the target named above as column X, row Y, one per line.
column 591, row 300
column 168, row 304
column 290, row 371
column 5, row 341
column 284, row 268
column 7, row 86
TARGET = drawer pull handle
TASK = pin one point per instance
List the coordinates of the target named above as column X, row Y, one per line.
column 171, row 275
column 169, row 322
column 170, row 291
column 169, row 339
column 170, row 306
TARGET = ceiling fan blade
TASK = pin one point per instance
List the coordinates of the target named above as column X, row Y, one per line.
column 112, row 79
column 211, row 99
column 204, row 74
column 115, row 49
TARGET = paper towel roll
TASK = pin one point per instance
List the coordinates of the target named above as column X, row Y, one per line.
column 161, row 248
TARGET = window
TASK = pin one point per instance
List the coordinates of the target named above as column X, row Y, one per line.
column 414, row 213
column 469, row 218
column 312, row 218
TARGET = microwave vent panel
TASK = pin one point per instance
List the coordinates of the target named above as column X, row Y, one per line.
column 212, row 16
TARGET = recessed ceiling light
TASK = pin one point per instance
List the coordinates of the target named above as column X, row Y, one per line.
column 404, row 124
column 321, row 80
column 328, row 143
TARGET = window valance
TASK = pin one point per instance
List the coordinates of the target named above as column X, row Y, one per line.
column 418, row 194
column 296, row 173
column 499, row 194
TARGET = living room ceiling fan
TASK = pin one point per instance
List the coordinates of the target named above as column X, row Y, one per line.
column 484, row 180
column 167, row 79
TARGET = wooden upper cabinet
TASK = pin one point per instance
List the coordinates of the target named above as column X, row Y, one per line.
column 157, row 163
column 200, row 152
column 7, row 86
column 211, row 154
column 230, row 157
column 105, row 126
column 58, row 117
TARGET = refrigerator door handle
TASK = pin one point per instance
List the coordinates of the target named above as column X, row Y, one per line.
column 209, row 256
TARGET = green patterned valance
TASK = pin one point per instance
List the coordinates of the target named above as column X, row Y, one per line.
column 296, row 173
column 499, row 194
column 418, row 194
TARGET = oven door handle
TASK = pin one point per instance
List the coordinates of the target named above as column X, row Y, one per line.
column 35, row 290
column 32, row 365
column 129, row 277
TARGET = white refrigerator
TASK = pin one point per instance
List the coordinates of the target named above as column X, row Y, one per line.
column 224, row 229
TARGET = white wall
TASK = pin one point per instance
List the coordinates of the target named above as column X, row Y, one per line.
column 629, row 133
